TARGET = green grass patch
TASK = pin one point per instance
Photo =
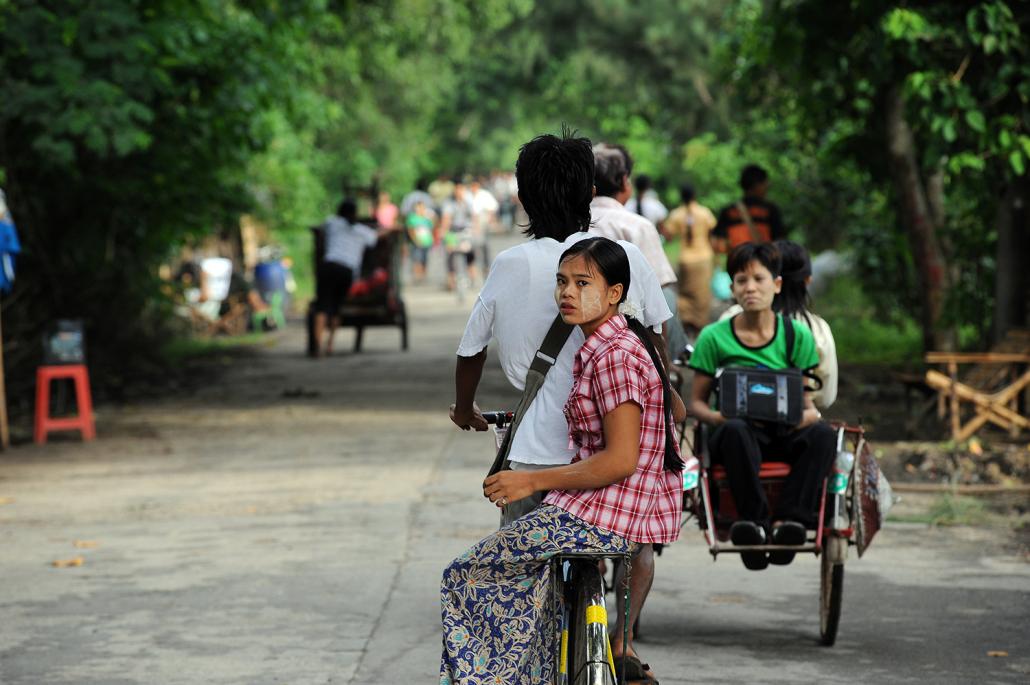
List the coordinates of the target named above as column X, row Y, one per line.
column 183, row 349
column 954, row 510
column 921, row 517
column 672, row 251
column 861, row 335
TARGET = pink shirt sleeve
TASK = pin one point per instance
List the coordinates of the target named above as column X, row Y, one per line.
column 618, row 378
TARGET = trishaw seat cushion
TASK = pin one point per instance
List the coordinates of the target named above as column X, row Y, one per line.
column 769, row 469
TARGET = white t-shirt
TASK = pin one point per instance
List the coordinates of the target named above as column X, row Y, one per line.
column 609, row 218
column 345, row 242
column 217, row 275
column 516, row 308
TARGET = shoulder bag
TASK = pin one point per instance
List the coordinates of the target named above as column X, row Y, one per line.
column 544, row 359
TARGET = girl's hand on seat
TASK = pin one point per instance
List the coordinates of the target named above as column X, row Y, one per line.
column 508, row 486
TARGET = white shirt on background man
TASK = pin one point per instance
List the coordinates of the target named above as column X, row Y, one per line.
column 516, row 308
column 612, row 220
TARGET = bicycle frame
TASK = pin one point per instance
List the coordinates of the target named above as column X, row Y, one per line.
column 579, row 591
column 585, row 659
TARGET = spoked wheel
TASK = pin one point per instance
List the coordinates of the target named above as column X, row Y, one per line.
column 588, row 632
column 831, row 589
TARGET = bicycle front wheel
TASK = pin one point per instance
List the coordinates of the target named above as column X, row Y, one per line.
column 589, row 652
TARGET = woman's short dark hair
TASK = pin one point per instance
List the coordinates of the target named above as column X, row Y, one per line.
column 795, row 268
column 607, row 255
column 687, row 193
column 555, row 176
column 765, row 254
column 612, row 164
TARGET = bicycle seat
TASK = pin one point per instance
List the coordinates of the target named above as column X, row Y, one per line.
column 769, row 469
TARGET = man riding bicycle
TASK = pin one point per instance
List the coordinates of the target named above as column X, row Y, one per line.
column 516, row 308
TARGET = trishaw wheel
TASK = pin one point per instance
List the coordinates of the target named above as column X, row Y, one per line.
column 831, row 591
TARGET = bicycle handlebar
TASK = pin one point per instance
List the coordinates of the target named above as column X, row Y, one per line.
column 498, row 418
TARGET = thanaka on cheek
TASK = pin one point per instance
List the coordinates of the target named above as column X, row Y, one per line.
column 590, row 304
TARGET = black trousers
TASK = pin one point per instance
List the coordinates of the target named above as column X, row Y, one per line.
column 333, row 283
column 740, row 447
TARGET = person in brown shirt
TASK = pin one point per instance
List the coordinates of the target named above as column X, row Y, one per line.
column 692, row 223
column 752, row 219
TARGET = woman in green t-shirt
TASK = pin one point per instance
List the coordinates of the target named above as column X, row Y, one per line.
column 756, row 338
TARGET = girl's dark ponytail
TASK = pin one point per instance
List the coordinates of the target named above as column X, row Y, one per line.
column 672, row 461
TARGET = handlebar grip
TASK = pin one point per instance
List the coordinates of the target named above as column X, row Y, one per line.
column 499, row 418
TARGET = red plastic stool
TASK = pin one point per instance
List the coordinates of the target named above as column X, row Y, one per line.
column 83, row 422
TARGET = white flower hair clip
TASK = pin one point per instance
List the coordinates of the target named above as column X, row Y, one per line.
column 631, row 309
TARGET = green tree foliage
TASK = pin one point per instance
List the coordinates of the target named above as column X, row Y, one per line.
column 128, row 125
column 957, row 75
column 125, row 126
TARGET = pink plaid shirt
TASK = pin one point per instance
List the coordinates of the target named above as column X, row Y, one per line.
column 613, row 367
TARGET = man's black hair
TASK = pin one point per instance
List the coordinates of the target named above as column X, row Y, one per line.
column 611, row 260
column 555, row 175
column 612, row 164
column 765, row 254
column 687, row 193
column 348, row 209
column 751, row 176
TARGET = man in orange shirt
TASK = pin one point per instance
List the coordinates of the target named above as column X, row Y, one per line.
column 752, row 219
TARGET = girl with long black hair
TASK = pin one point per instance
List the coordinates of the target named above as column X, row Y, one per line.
column 622, row 490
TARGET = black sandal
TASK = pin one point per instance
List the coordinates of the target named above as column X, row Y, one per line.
column 636, row 672
column 747, row 533
column 787, row 533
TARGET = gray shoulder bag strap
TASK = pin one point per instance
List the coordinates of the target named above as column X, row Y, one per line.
column 544, row 359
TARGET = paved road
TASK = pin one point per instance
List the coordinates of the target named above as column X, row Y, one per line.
column 289, row 522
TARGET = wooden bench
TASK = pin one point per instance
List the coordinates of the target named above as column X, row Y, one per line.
column 992, row 390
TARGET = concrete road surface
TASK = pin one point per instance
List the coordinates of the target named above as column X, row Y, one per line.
column 288, row 523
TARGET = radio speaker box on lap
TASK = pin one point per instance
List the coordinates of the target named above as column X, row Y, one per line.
column 762, row 395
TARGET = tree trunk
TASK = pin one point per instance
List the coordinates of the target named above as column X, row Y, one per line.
column 918, row 218
column 1012, row 284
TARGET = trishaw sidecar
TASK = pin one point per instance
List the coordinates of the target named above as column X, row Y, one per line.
column 848, row 513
